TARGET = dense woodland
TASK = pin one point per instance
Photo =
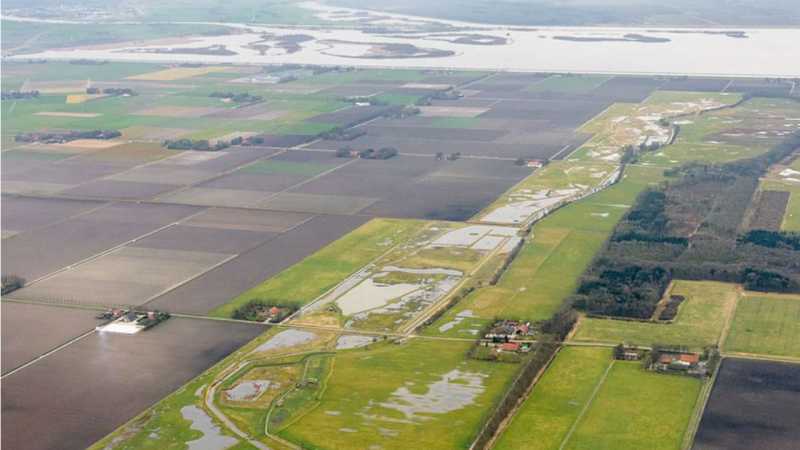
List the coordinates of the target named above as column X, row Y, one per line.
column 692, row 227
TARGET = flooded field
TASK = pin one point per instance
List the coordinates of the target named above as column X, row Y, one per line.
column 117, row 377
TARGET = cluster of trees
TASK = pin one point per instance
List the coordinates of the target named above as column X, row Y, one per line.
column 368, row 153
column 691, row 228
column 772, row 239
column 241, row 97
column 61, row 137
column 450, row 157
column 11, row 283
column 111, row 91
column 19, row 95
column 671, row 309
column 261, row 310
column 342, row 134
column 197, row 144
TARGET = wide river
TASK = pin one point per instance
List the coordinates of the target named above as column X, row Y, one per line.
column 764, row 53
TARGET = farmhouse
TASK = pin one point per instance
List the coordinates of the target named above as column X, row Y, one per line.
column 506, row 330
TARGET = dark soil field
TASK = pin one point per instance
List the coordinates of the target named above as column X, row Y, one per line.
column 769, row 211
column 754, row 405
column 29, row 331
column 221, row 284
column 25, row 213
column 695, row 84
column 84, row 391
column 47, row 249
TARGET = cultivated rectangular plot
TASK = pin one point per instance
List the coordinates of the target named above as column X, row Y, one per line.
column 562, row 113
column 127, row 276
column 351, row 116
column 216, row 161
column 65, row 173
column 441, row 197
column 353, row 90
column 120, row 190
column 83, row 392
column 225, row 282
column 32, row 187
column 753, row 405
column 627, row 89
column 318, row 204
column 450, row 134
column 31, row 330
column 248, row 220
column 159, row 173
column 695, row 84
column 273, row 182
column 206, row 196
column 451, row 111
column 25, row 213
column 203, row 239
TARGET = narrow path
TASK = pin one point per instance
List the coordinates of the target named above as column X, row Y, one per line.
column 208, row 400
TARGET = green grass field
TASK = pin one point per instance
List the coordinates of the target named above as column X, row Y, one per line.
column 699, row 323
column 393, row 394
column 635, row 409
column 323, row 270
column 767, row 324
column 585, row 402
column 557, row 400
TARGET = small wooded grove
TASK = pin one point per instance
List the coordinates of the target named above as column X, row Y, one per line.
column 692, row 227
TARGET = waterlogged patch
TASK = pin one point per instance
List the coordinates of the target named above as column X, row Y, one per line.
column 212, row 438
column 286, row 339
column 353, row 341
column 455, row 390
column 248, row 390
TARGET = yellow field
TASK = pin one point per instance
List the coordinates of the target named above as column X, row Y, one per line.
column 177, row 73
column 81, row 98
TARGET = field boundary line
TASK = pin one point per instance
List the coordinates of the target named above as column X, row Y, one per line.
column 699, row 409
column 48, row 353
column 509, row 418
column 585, row 408
column 731, row 313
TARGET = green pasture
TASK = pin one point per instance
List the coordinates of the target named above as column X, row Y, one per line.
column 363, row 404
column 699, row 323
column 557, row 400
column 766, row 324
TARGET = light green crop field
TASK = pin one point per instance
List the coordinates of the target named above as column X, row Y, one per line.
column 326, row 268
column 636, row 409
column 568, row 83
column 767, row 324
column 423, row 391
column 557, row 400
column 699, row 323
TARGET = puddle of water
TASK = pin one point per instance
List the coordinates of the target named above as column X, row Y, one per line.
column 284, row 339
column 212, row 438
column 248, row 390
column 456, row 389
column 353, row 341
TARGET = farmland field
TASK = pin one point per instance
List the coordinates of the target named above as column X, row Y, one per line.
column 651, row 411
column 753, row 405
column 423, row 390
column 699, row 322
column 586, row 400
column 766, row 324
column 557, row 400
